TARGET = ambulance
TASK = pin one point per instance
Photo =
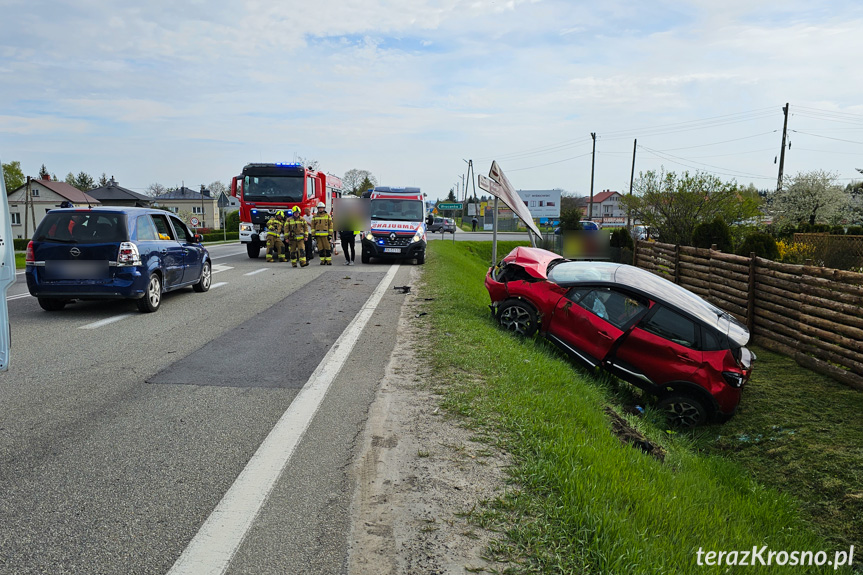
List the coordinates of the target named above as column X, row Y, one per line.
column 397, row 228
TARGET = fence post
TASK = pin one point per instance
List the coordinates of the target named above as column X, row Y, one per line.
column 635, row 254
column 750, row 299
column 677, row 264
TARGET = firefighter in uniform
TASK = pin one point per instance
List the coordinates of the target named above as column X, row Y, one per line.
column 275, row 227
column 297, row 232
column 322, row 226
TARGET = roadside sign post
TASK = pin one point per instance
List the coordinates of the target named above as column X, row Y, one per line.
column 223, row 203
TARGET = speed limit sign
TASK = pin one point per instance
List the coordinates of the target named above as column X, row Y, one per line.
column 195, row 222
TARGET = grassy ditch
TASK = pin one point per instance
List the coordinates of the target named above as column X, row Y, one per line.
column 582, row 501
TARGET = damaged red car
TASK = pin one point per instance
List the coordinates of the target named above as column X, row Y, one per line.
column 638, row 326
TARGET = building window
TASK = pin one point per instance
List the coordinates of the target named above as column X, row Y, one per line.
column 15, row 217
column 34, row 192
column 197, row 210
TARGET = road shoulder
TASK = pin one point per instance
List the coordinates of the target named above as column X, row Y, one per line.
column 418, row 473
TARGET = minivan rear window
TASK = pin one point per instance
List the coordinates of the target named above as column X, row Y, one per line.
column 81, row 228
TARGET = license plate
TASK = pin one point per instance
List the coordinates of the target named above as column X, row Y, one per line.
column 392, row 250
column 76, row 270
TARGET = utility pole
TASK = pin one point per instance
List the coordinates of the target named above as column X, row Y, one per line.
column 26, row 205
column 631, row 182
column 203, row 219
column 592, row 167
column 782, row 153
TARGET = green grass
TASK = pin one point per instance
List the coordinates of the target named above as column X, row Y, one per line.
column 800, row 432
column 581, row 501
column 19, row 261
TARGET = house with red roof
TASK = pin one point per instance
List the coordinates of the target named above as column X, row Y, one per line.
column 607, row 209
column 44, row 195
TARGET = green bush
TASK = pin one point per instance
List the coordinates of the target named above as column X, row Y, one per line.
column 571, row 220
column 232, row 221
column 762, row 244
column 220, row 235
column 837, row 231
column 854, row 231
column 21, row 245
column 708, row 233
column 620, row 238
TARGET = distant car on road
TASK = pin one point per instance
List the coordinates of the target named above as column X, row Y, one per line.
column 114, row 253
column 640, row 232
column 638, row 326
column 586, row 225
column 442, row 224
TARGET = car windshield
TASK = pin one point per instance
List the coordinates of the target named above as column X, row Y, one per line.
column 81, row 227
column 397, row 210
column 281, row 189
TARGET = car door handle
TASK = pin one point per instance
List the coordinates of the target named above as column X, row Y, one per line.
column 164, row 251
column 607, row 336
column 686, row 359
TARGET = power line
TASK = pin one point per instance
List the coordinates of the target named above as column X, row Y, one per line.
column 681, row 161
column 548, row 164
column 826, row 137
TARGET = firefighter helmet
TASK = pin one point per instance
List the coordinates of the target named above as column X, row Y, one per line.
column 321, row 205
column 280, row 214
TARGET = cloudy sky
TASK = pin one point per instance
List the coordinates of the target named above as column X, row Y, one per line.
column 188, row 91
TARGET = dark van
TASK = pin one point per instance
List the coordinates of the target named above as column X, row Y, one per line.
column 114, row 253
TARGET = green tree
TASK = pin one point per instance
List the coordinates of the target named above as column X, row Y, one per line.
column 811, row 197
column 716, row 232
column 232, row 221
column 673, row 205
column 451, row 196
column 83, row 181
column 354, row 179
column 43, row 173
column 367, row 184
column 103, row 180
column 570, row 219
column 13, row 176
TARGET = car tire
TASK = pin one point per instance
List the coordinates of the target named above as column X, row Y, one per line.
column 51, row 304
column 518, row 316
column 364, row 257
column 682, row 410
column 206, row 278
column 253, row 249
column 152, row 295
column 421, row 259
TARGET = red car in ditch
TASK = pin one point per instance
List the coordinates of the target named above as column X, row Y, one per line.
column 634, row 324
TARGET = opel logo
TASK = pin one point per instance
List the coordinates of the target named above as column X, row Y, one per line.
column 75, row 252
column 393, row 236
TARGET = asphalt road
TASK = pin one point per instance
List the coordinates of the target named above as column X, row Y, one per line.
column 121, row 433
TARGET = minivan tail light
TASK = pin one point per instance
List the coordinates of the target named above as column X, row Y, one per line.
column 733, row 378
column 128, row 255
column 30, row 257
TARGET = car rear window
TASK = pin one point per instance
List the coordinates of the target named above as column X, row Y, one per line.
column 81, row 227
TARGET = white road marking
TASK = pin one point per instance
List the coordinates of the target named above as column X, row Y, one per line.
column 226, row 256
column 256, row 272
column 221, row 268
column 213, row 547
column 106, row 321
column 219, row 284
column 17, row 296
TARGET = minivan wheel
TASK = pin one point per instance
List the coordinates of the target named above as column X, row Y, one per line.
column 518, row 316
column 206, row 278
column 253, row 249
column 683, row 410
column 365, row 257
column 421, row 259
column 153, row 295
column 50, row 304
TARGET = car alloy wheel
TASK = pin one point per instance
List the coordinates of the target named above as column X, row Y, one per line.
column 206, row 278
column 153, row 295
column 682, row 410
column 519, row 317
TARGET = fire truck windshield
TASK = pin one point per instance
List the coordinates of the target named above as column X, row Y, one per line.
column 397, row 210
column 276, row 189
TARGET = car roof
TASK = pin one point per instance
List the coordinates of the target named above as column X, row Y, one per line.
column 111, row 209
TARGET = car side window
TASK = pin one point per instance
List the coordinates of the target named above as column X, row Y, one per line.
column 614, row 306
column 163, row 229
column 672, row 326
column 183, row 233
column 146, row 229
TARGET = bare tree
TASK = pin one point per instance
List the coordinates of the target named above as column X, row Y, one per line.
column 216, row 188
column 156, row 189
column 310, row 164
column 353, row 180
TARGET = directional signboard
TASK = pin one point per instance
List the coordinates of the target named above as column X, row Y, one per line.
column 450, row 206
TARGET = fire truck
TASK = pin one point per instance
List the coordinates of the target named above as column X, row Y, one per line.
column 264, row 189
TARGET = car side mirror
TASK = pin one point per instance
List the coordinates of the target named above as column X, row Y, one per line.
column 199, row 238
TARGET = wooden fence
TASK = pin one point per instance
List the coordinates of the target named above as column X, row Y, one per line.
column 812, row 314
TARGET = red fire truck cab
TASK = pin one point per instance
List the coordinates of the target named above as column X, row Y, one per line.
column 264, row 189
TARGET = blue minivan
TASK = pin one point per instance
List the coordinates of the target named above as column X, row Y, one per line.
column 114, row 253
